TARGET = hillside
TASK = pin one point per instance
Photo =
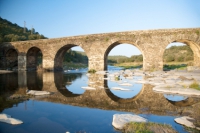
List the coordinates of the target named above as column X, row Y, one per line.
column 10, row 32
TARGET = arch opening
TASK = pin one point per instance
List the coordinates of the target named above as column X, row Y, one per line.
column 70, row 57
column 123, row 54
column 180, row 54
column 34, row 59
column 12, row 59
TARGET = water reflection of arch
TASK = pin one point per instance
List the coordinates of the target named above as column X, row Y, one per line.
column 187, row 102
column 118, row 99
column 8, row 82
column 59, row 80
column 34, row 80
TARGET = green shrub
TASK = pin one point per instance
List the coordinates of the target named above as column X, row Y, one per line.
column 91, row 71
column 195, row 85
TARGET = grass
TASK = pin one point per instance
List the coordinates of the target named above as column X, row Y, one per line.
column 149, row 127
column 167, row 65
column 129, row 65
column 91, row 71
column 175, row 66
column 117, row 78
column 195, row 85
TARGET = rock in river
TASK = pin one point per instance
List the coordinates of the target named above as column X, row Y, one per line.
column 7, row 119
column 187, row 121
column 37, row 93
column 119, row 120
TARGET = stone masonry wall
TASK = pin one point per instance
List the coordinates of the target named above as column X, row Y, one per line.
column 151, row 43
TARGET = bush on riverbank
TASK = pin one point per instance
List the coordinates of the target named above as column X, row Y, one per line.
column 195, row 85
column 149, row 127
column 91, row 71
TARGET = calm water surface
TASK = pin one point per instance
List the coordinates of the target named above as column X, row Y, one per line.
column 73, row 109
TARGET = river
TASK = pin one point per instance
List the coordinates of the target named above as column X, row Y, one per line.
column 70, row 108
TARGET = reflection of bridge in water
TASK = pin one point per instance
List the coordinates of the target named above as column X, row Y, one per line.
column 147, row 101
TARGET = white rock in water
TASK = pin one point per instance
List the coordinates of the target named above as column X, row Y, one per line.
column 7, row 119
column 88, row 88
column 119, row 120
column 126, row 84
column 101, row 72
column 185, row 120
column 176, row 89
column 121, row 89
column 38, row 93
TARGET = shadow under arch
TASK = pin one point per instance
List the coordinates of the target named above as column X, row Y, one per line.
column 118, row 99
column 114, row 45
column 58, row 60
column 11, row 58
column 58, row 78
column 187, row 102
column 34, row 59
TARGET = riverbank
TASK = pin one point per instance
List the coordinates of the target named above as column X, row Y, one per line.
column 73, row 66
column 5, row 71
column 167, row 65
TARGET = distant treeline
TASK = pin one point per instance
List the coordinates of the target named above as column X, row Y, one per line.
column 178, row 54
column 10, row 32
column 75, row 57
column 172, row 54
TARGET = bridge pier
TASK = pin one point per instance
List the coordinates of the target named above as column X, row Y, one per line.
column 21, row 62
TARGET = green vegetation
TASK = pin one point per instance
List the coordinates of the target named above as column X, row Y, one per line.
column 178, row 54
column 124, row 59
column 75, row 60
column 174, row 66
column 149, row 127
column 12, row 32
column 172, row 54
column 75, row 57
column 117, row 78
column 195, row 85
column 91, row 71
column 175, row 57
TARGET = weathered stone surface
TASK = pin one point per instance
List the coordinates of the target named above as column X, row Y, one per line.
column 151, row 43
column 38, row 93
column 7, row 119
column 192, row 68
column 186, row 121
column 119, row 120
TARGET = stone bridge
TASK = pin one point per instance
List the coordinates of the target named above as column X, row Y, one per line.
column 151, row 43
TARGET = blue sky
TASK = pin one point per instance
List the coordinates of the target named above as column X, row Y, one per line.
column 62, row 18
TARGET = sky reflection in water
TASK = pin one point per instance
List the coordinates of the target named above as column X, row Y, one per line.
column 51, row 117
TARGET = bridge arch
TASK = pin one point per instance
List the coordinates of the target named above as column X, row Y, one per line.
column 58, row 59
column 11, row 58
column 123, row 100
column 111, row 46
column 34, row 58
column 194, row 47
